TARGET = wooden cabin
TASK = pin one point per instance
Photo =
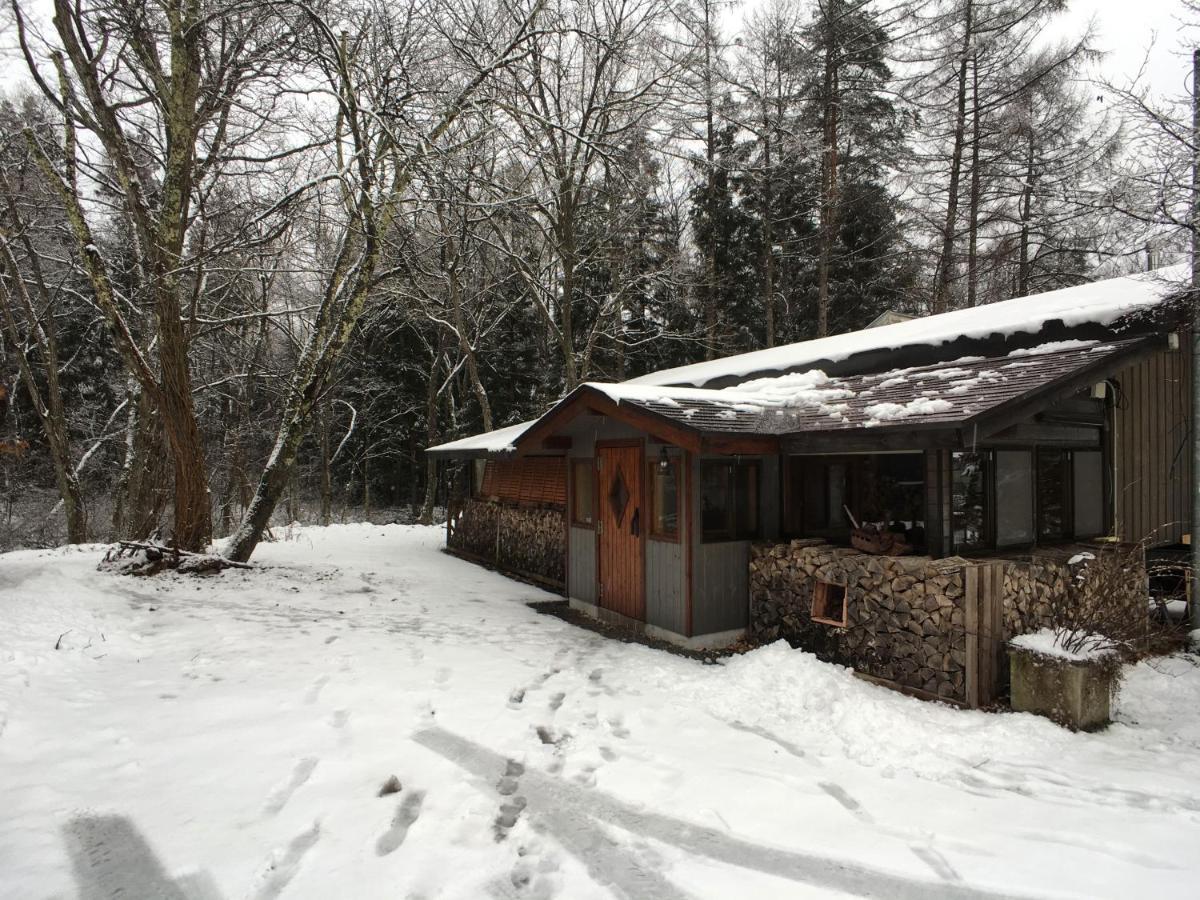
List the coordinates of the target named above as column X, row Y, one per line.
column 1007, row 435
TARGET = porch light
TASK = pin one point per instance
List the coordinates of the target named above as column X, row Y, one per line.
column 664, row 461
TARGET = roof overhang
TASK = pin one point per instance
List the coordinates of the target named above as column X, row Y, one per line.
column 589, row 400
column 990, row 396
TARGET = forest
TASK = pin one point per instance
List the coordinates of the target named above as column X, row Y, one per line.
column 255, row 257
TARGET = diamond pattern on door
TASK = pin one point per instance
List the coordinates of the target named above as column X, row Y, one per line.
column 618, row 496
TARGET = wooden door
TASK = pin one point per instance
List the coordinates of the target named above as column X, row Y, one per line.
column 621, row 523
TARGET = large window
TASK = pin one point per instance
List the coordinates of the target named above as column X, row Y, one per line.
column 1088, row 474
column 729, row 499
column 823, row 492
column 583, row 492
column 1014, row 497
column 968, row 501
column 1009, row 498
column 664, row 499
column 1053, row 495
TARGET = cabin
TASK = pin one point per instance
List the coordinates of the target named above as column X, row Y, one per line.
column 901, row 499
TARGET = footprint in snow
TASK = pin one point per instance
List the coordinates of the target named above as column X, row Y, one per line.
column 510, row 809
column 556, row 701
column 516, row 698
column 283, row 864
column 314, row 690
column 300, row 774
column 406, row 816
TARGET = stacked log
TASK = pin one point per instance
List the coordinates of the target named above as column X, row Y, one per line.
column 904, row 615
column 1094, row 587
column 533, row 541
column 520, row 539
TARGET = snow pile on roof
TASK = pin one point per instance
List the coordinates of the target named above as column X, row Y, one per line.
column 1052, row 347
column 918, row 406
column 1099, row 303
column 805, row 390
column 502, row 440
column 1049, row 642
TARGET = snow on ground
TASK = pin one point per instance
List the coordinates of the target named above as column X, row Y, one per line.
column 227, row 738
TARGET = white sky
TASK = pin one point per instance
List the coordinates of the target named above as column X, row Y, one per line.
column 1137, row 32
column 1127, row 30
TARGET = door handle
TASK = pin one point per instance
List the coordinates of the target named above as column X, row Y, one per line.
column 635, row 524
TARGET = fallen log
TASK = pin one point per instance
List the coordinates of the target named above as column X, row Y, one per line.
column 124, row 557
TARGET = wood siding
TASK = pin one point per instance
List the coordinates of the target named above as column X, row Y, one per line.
column 721, row 587
column 531, row 481
column 581, row 557
column 1152, row 471
column 666, row 593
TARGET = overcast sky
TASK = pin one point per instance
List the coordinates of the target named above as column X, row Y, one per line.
column 1126, row 31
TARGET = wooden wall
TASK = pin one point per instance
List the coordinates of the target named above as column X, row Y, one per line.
column 1152, row 471
column 530, row 481
column 666, row 591
column 721, row 579
column 581, row 566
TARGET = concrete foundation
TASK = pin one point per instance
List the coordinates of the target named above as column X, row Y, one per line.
column 1075, row 694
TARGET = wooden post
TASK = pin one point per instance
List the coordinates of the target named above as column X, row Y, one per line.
column 971, row 627
column 983, row 621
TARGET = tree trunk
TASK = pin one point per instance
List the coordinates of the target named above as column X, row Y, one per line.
column 431, row 436
column 941, row 292
column 50, row 410
column 326, row 476
column 829, row 176
column 1023, row 273
column 976, row 189
column 768, row 237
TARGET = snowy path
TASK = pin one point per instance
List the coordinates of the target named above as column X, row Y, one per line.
column 227, row 738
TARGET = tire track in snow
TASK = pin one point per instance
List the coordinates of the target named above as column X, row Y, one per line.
column 574, row 815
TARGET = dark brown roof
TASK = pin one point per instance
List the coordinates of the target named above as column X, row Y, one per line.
column 941, row 395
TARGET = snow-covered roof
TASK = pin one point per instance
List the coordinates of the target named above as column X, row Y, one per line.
column 502, row 440
column 942, row 394
column 1098, row 303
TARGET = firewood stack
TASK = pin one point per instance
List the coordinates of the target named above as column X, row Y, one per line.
column 878, row 542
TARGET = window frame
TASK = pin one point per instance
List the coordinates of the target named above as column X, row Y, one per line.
column 821, row 597
column 590, row 464
column 1067, row 498
column 1040, row 539
column 673, row 537
column 987, row 541
column 731, row 533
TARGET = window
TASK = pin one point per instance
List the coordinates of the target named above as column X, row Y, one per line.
column 1014, row 497
column 583, row 492
column 968, row 505
column 664, row 499
column 1088, row 485
column 824, row 497
column 880, row 488
column 729, row 499
column 1053, row 495
column 829, row 604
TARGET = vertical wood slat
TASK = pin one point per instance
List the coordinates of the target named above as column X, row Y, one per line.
column 621, row 553
column 1153, row 471
column 983, row 622
column 971, row 628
